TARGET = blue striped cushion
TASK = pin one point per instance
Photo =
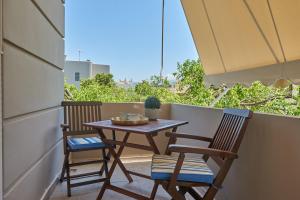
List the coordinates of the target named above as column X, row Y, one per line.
column 85, row 143
column 193, row 170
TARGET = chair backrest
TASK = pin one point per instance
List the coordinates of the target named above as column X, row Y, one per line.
column 228, row 137
column 231, row 130
column 78, row 112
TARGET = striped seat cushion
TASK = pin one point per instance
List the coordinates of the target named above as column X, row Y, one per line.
column 193, row 170
column 85, row 143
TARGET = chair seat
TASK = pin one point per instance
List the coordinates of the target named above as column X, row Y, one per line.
column 192, row 170
column 83, row 143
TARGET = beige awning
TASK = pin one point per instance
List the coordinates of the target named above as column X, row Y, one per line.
column 246, row 40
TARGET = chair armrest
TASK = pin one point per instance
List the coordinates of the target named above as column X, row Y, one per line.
column 187, row 136
column 65, row 126
column 201, row 150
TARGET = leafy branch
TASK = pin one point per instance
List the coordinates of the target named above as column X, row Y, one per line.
column 243, row 103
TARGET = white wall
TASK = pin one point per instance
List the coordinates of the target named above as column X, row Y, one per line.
column 33, row 43
column 98, row 69
column 86, row 69
column 269, row 160
column 71, row 67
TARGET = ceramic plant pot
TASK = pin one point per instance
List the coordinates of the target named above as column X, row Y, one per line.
column 152, row 114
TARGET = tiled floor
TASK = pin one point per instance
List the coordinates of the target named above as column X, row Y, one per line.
column 90, row 192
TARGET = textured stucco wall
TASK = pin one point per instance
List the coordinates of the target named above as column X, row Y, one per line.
column 33, row 60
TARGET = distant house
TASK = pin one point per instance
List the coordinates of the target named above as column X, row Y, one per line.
column 126, row 83
column 75, row 71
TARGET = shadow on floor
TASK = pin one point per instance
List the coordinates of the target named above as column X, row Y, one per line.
column 90, row 192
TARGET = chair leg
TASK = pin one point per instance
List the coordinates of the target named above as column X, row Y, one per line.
column 154, row 190
column 105, row 165
column 173, row 193
column 105, row 169
column 104, row 156
column 108, row 156
column 68, row 176
column 194, row 194
column 210, row 194
column 176, row 195
column 102, row 167
column 101, row 193
column 183, row 190
column 63, row 170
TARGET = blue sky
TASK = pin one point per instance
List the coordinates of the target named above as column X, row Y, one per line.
column 126, row 34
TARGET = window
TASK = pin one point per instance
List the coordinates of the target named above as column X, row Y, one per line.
column 77, row 76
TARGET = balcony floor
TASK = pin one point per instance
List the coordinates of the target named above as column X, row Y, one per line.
column 90, row 192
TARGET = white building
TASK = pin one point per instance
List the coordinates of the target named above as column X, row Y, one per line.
column 75, row 71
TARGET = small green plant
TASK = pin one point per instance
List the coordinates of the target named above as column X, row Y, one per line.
column 152, row 103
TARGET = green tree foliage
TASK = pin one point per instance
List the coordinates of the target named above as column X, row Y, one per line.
column 87, row 82
column 105, row 79
column 156, row 81
column 144, row 88
column 102, row 88
column 190, row 89
column 261, row 98
column 190, row 77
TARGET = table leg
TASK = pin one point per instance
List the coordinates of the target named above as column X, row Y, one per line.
column 117, row 155
column 108, row 154
column 107, row 184
column 156, row 151
column 174, row 129
column 152, row 143
column 172, row 140
column 116, row 161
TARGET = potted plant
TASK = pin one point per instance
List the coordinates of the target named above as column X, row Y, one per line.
column 152, row 106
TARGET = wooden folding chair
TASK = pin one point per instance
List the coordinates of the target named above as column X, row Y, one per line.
column 178, row 175
column 77, row 138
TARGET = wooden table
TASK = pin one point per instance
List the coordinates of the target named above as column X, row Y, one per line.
column 150, row 130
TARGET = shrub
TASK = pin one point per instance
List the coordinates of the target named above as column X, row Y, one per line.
column 152, row 103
